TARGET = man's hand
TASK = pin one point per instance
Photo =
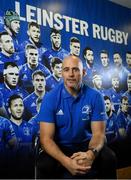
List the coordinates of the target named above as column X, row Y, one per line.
column 84, row 158
column 74, row 168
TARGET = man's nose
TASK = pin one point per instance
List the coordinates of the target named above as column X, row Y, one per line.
column 71, row 72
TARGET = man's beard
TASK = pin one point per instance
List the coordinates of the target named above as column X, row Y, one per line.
column 16, row 118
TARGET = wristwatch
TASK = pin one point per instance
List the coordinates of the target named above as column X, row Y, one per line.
column 95, row 151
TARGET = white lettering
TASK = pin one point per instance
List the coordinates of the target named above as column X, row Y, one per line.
column 75, row 26
column 39, row 16
column 17, row 9
column 30, row 13
column 67, row 23
column 111, row 33
column 105, row 33
column 96, row 31
column 47, row 18
column 83, row 28
column 57, row 18
column 119, row 38
column 125, row 37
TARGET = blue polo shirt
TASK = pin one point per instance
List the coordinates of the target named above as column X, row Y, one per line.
column 72, row 116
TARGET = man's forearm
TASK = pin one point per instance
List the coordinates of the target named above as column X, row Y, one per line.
column 53, row 150
column 97, row 142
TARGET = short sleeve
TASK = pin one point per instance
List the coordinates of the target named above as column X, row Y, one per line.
column 47, row 110
column 98, row 110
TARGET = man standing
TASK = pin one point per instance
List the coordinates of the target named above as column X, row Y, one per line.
column 72, row 127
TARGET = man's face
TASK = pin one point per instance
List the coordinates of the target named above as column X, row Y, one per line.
column 128, row 59
column 72, row 72
column 12, row 76
column 56, row 41
column 98, row 82
column 17, row 108
column 15, row 26
column 57, row 70
column 89, row 57
column 39, row 83
column 34, row 34
column 32, row 57
column 108, row 105
column 124, row 106
column 129, row 84
column 117, row 59
column 104, row 59
column 75, row 48
column 115, row 83
column 7, row 44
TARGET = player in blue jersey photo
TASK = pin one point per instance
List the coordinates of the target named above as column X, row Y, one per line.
column 123, row 118
column 30, row 101
column 111, row 123
column 56, row 47
column 3, row 111
column 12, row 26
column 105, row 69
column 72, row 129
column 98, row 84
column 11, row 83
column 56, row 77
column 7, row 143
column 34, row 34
column 128, row 61
column 128, row 93
column 89, row 66
column 7, row 51
column 75, row 46
column 31, row 66
column 115, row 92
column 120, row 69
column 25, row 134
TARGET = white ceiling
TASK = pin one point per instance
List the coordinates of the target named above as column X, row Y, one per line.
column 125, row 3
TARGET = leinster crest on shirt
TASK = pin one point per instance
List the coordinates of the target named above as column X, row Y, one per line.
column 86, row 112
